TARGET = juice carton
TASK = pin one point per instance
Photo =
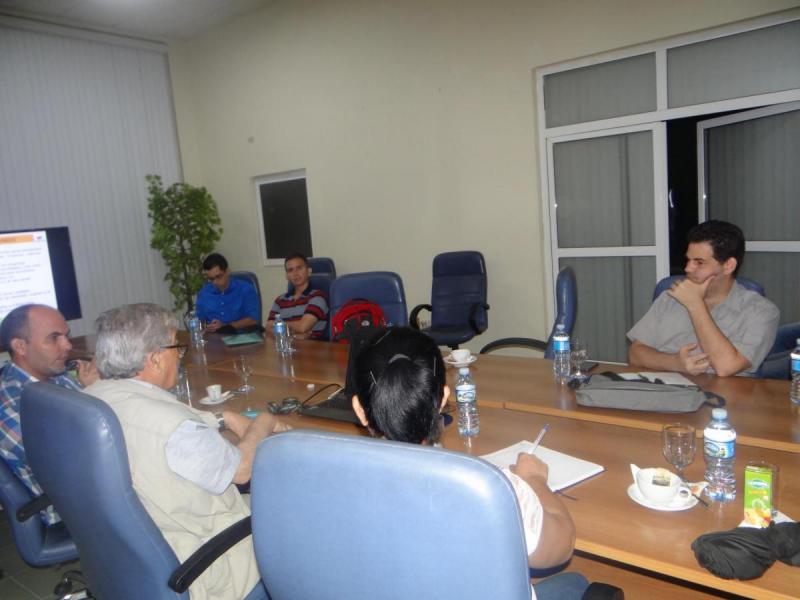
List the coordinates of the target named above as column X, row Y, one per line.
column 758, row 495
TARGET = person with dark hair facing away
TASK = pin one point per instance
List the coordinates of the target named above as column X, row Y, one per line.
column 707, row 322
column 226, row 305
column 305, row 309
column 37, row 340
column 400, row 390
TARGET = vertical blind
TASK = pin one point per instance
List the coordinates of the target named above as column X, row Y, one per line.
column 83, row 119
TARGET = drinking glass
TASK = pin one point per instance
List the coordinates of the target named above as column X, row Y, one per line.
column 243, row 368
column 577, row 356
column 679, row 444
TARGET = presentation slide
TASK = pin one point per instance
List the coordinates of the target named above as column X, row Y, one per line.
column 25, row 272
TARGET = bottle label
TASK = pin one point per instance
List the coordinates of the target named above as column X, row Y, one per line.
column 795, row 363
column 465, row 393
column 719, row 449
column 560, row 345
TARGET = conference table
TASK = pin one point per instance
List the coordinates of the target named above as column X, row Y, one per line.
column 646, row 552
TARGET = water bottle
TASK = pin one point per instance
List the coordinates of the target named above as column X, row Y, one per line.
column 719, row 450
column 561, row 361
column 467, row 402
column 794, row 390
column 195, row 330
column 279, row 331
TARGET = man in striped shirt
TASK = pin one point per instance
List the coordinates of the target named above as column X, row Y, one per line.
column 305, row 309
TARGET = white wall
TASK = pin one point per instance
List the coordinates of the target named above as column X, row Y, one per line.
column 415, row 121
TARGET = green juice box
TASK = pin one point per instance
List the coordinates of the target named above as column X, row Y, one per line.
column 758, row 494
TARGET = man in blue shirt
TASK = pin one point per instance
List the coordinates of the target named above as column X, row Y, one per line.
column 35, row 336
column 225, row 304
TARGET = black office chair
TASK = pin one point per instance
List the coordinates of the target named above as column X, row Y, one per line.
column 667, row 282
column 458, row 299
column 566, row 313
column 250, row 277
column 76, row 448
column 777, row 364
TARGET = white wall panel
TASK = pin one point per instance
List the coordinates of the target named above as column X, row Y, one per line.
column 82, row 121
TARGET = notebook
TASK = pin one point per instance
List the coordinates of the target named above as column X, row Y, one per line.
column 564, row 470
column 241, row 339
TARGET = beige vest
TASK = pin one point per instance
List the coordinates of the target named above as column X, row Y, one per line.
column 186, row 514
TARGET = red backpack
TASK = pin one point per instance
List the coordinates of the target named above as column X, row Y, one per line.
column 354, row 317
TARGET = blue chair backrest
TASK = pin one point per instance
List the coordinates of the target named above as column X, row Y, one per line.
column 358, row 518
column 251, row 277
column 667, row 282
column 77, row 450
column 777, row 364
column 384, row 288
column 36, row 545
column 322, row 264
column 459, row 282
column 566, row 306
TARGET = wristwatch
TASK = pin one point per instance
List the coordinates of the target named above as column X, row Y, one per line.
column 220, row 420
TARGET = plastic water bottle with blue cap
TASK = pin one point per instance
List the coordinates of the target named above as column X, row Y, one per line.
column 561, row 357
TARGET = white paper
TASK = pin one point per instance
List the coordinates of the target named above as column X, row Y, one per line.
column 563, row 470
column 665, row 377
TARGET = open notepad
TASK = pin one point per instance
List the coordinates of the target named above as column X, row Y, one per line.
column 563, row 470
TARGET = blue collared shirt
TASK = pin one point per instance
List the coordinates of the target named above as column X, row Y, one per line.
column 12, row 381
column 239, row 300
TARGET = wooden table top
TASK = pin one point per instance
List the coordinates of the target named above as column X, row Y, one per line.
column 609, row 524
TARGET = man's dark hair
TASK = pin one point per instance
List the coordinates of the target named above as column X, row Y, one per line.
column 726, row 240
column 293, row 255
column 215, row 260
column 15, row 325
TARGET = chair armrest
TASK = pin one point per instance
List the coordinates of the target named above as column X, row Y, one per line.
column 412, row 319
column 201, row 559
column 32, row 507
column 473, row 313
column 512, row 342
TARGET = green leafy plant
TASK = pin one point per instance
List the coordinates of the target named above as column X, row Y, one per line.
column 186, row 227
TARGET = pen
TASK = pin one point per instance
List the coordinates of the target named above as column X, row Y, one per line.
column 539, row 438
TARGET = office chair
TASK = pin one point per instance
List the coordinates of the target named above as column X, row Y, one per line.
column 667, row 282
column 76, row 448
column 322, row 264
column 777, row 364
column 458, row 299
column 566, row 313
column 336, row 516
column 38, row 545
column 251, row 277
column 384, row 288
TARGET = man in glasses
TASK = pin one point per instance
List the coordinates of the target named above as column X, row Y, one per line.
column 183, row 469
column 224, row 304
column 36, row 338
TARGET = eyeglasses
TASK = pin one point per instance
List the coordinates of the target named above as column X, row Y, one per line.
column 181, row 348
column 213, row 278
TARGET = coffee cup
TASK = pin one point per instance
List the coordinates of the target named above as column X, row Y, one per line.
column 659, row 486
column 214, row 391
column 461, row 355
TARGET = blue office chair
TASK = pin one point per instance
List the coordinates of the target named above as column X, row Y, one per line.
column 250, row 277
column 336, row 516
column 566, row 313
column 384, row 288
column 458, row 299
column 777, row 364
column 76, row 448
column 667, row 282
column 322, row 264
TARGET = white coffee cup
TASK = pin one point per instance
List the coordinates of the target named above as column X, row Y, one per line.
column 214, row 391
column 461, row 355
column 654, row 488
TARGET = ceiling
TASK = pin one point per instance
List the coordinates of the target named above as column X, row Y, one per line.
column 162, row 20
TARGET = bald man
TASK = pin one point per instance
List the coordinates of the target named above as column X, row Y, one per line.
column 36, row 338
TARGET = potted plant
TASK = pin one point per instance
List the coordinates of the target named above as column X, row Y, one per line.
column 186, row 227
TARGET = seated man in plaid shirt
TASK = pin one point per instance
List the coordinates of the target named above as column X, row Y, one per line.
column 35, row 337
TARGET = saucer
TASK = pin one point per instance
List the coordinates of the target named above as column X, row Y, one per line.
column 677, row 503
column 223, row 398
column 451, row 361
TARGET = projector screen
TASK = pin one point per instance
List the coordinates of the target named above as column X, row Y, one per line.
column 36, row 267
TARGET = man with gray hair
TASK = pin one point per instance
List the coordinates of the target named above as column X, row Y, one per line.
column 183, row 470
column 36, row 338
